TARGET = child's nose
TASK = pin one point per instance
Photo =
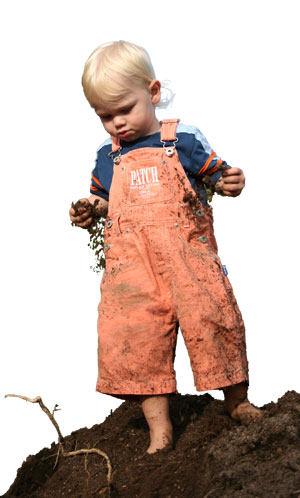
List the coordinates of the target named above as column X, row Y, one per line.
column 119, row 121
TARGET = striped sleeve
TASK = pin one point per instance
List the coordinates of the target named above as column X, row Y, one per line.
column 102, row 172
column 204, row 159
column 96, row 186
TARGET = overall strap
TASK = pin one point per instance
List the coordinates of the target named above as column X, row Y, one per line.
column 168, row 130
column 115, row 143
column 115, row 147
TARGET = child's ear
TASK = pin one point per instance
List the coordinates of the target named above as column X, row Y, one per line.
column 154, row 90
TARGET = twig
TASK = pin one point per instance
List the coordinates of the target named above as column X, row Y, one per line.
column 55, row 409
column 38, row 400
column 61, row 441
column 60, row 450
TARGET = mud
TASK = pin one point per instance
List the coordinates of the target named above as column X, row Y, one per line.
column 96, row 232
column 213, row 457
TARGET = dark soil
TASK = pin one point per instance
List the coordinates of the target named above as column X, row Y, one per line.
column 214, row 456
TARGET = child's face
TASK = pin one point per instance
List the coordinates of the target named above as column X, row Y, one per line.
column 133, row 116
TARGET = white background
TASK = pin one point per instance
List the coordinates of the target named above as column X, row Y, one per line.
column 235, row 70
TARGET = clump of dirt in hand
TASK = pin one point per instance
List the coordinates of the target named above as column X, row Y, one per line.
column 193, row 198
column 213, row 456
column 96, row 232
column 210, row 187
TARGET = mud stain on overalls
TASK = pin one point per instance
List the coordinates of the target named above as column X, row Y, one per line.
column 163, row 271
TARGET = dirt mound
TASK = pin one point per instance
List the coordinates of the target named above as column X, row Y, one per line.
column 214, row 456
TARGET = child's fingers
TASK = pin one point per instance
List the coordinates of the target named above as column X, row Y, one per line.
column 80, row 207
column 82, row 211
column 232, row 172
column 233, row 183
column 81, row 221
column 233, row 175
column 80, row 218
column 238, row 178
column 79, row 211
column 85, row 223
column 232, row 190
column 231, row 194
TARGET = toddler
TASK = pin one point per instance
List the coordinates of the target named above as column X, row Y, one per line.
column 151, row 182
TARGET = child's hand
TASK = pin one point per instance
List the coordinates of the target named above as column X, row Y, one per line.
column 231, row 183
column 82, row 216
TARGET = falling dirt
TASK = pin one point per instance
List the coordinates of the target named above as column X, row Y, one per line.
column 214, row 456
column 96, row 232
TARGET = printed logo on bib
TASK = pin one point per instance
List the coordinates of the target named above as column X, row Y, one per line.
column 144, row 182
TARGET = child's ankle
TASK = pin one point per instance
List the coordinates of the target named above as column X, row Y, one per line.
column 160, row 438
column 235, row 395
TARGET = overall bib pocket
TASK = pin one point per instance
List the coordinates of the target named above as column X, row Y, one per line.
column 146, row 181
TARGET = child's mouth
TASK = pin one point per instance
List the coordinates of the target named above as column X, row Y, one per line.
column 124, row 133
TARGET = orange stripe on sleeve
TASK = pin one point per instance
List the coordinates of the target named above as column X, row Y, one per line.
column 216, row 166
column 206, row 165
column 97, row 181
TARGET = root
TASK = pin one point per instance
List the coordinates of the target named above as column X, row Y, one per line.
column 98, row 452
column 38, row 400
column 61, row 441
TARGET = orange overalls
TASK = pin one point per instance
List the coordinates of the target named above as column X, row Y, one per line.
column 163, row 271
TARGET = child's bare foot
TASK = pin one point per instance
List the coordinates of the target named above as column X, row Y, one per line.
column 160, row 441
column 238, row 405
column 156, row 411
column 246, row 413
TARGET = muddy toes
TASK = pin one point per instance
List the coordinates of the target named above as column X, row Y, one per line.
column 245, row 413
column 166, row 449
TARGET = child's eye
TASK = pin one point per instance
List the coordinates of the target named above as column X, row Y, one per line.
column 107, row 117
column 127, row 110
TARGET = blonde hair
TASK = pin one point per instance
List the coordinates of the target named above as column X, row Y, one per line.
column 112, row 68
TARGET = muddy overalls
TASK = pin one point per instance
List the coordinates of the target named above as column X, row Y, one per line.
column 163, row 271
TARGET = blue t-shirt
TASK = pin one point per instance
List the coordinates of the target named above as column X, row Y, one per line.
column 193, row 151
